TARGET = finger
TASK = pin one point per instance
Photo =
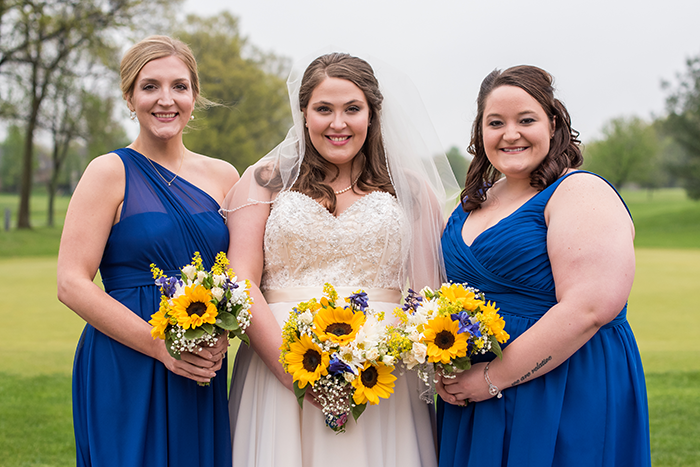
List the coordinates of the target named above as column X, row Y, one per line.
column 198, row 360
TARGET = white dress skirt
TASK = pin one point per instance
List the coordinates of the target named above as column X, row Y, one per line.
column 268, row 426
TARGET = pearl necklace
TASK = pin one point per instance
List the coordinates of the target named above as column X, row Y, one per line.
column 182, row 159
column 340, row 192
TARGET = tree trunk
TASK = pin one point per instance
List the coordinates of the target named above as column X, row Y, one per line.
column 27, row 171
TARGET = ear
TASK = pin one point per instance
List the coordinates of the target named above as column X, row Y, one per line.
column 552, row 126
column 129, row 105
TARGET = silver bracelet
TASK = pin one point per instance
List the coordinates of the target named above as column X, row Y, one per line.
column 493, row 389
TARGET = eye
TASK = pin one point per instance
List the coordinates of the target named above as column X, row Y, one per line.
column 354, row 109
column 322, row 109
column 494, row 123
column 527, row 120
column 149, row 87
column 181, row 87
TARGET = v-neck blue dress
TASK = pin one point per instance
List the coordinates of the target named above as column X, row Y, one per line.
column 128, row 409
column 589, row 411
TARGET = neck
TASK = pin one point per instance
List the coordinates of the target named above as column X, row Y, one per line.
column 164, row 152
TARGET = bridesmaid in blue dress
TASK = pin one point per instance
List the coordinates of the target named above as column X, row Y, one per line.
column 152, row 202
column 553, row 247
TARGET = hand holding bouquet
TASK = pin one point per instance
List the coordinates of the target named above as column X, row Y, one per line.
column 447, row 327
column 342, row 352
column 199, row 306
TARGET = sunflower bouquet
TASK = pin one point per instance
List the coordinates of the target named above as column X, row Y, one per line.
column 446, row 328
column 199, row 306
column 342, row 352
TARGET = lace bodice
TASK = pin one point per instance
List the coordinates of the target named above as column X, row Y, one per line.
column 305, row 245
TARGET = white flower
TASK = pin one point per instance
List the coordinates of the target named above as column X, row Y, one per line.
column 189, row 271
column 349, row 377
column 416, row 356
column 201, row 275
column 388, row 360
column 306, row 317
column 219, row 279
column 372, row 354
column 217, row 293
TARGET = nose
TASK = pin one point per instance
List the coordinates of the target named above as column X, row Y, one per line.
column 338, row 122
column 511, row 133
column 165, row 99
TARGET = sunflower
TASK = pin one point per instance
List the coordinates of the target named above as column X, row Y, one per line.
column 306, row 362
column 444, row 341
column 457, row 294
column 494, row 322
column 194, row 307
column 340, row 325
column 159, row 322
column 373, row 382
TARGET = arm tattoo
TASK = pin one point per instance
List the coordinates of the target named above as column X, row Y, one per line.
column 531, row 373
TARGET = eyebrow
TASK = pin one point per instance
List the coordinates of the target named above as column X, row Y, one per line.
column 520, row 114
column 354, row 101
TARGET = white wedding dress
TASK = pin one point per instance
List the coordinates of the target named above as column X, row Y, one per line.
column 305, row 246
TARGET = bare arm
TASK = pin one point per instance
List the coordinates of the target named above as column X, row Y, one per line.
column 92, row 211
column 590, row 244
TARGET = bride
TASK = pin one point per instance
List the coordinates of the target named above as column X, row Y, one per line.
column 354, row 197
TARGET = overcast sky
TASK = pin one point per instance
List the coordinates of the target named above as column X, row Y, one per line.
column 608, row 57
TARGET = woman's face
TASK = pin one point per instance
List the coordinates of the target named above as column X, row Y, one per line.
column 337, row 118
column 163, row 98
column 516, row 131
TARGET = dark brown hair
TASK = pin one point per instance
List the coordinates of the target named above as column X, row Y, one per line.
column 564, row 151
column 314, row 168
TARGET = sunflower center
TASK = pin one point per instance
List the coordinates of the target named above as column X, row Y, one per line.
column 339, row 329
column 444, row 340
column 312, row 359
column 196, row 308
column 369, row 377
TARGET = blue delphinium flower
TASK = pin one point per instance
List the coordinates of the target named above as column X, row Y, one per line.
column 337, row 367
column 465, row 324
column 412, row 300
column 359, row 299
column 230, row 285
column 168, row 284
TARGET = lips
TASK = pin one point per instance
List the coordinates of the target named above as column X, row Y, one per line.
column 519, row 149
column 338, row 139
column 165, row 115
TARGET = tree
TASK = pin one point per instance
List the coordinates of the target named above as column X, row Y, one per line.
column 42, row 36
column 683, row 123
column 11, row 159
column 255, row 115
column 628, row 152
column 459, row 164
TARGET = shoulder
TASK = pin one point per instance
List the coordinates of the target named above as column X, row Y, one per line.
column 220, row 172
column 586, row 195
column 104, row 170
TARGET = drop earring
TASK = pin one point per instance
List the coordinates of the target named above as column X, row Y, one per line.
column 132, row 115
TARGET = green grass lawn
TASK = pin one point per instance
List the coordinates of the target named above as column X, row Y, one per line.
column 38, row 335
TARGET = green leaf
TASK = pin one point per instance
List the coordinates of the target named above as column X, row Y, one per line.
column 208, row 328
column 194, row 333
column 496, row 347
column 357, row 410
column 227, row 321
column 300, row 393
column 169, row 345
column 462, row 363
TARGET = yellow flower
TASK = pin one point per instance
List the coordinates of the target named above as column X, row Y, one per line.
column 373, row 382
column 159, row 322
column 220, row 264
column 457, row 294
column 306, row 362
column 340, row 325
column 494, row 322
column 444, row 341
column 194, row 307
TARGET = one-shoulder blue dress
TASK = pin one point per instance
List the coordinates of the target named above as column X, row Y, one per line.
column 589, row 411
column 128, row 409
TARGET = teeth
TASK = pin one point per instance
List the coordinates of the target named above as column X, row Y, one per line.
column 338, row 138
column 512, row 149
column 171, row 115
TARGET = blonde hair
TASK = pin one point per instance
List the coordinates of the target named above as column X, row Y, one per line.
column 153, row 48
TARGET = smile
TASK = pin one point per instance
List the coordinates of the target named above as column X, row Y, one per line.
column 513, row 149
column 168, row 115
column 338, row 139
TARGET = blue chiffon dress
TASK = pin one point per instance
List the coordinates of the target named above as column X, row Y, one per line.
column 589, row 411
column 128, row 409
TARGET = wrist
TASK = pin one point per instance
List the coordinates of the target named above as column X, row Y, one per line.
column 493, row 389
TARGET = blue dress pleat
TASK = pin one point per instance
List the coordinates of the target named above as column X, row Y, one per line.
column 128, row 409
column 590, row 411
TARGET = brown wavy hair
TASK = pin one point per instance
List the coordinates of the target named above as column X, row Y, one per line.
column 564, row 151
column 314, row 170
